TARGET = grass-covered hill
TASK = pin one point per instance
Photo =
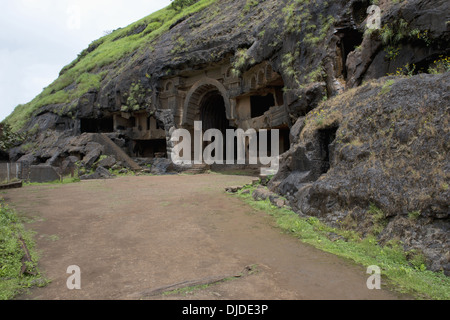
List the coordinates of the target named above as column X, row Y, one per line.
column 103, row 60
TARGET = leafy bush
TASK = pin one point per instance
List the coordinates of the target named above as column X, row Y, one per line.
column 9, row 139
column 440, row 65
column 180, row 4
column 387, row 87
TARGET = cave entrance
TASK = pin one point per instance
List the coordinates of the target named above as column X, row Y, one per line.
column 326, row 138
column 102, row 125
column 350, row 40
column 213, row 115
column 156, row 148
column 285, row 141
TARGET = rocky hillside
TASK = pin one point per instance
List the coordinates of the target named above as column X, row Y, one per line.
column 375, row 159
column 366, row 111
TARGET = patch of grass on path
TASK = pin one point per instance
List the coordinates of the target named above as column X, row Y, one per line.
column 402, row 275
column 12, row 282
column 187, row 290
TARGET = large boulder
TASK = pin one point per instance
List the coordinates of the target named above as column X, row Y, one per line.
column 90, row 158
column 161, row 166
column 42, row 174
column 107, row 162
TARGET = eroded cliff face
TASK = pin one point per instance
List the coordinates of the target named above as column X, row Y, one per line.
column 308, row 68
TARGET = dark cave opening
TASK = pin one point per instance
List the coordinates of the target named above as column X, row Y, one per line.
column 326, row 139
column 285, row 141
column 435, row 63
column 150, row 148
column 359, row 11
column 102, row 125
column 351, row 39
column 4, row 156
column 213, row 115
column 261, row 104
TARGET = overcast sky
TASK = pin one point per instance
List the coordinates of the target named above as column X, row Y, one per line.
column 39, row 37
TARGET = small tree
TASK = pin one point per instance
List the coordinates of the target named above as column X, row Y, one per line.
column 8, row 138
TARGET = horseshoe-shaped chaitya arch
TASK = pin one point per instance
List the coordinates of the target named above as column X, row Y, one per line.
column 194, row 98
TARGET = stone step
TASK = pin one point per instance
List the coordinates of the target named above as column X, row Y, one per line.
column 197, row 169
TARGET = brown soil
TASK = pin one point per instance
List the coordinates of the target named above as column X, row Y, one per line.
column 132, row 235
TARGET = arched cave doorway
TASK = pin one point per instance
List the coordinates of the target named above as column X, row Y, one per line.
column 214, row 116
column 199, row 95
column 212, row 112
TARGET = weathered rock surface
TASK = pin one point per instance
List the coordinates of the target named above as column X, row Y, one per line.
column 94, row 151
column 108, row 162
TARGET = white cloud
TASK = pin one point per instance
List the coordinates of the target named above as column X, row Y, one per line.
column 40, row 37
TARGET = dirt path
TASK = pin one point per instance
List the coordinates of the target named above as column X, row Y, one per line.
column 134, row 234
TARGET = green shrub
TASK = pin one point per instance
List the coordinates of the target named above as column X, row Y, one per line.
column 378, row 219
column 9, row 138
column 440, row 65
column 387, row 87
column 249, row 5
column 414, row 215
column 180, row 4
